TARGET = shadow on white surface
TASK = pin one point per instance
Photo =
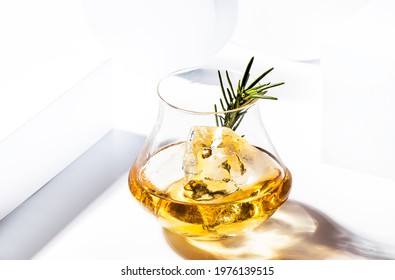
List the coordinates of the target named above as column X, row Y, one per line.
column 295, row 232
column 40, row 218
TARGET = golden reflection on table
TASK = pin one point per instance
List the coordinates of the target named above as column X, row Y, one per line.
column 295, row 231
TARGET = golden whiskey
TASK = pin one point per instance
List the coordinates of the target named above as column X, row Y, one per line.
column 201, row 207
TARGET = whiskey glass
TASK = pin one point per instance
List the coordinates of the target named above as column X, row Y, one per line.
column 201, row 180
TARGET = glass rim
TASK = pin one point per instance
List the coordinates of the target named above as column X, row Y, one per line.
column 218, row 112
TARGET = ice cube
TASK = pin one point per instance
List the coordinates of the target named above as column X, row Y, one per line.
column 218, row 162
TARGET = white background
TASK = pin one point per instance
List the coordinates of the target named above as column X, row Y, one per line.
column 47, row 46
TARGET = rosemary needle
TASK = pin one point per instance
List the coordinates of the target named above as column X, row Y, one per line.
column 244, row 95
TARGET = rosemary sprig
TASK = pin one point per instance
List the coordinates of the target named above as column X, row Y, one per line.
column 243, row 96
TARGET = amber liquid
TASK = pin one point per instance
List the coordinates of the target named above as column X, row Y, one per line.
column 238, row 212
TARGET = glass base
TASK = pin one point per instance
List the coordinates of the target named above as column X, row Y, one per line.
column 295, row 231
